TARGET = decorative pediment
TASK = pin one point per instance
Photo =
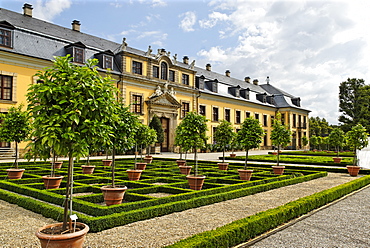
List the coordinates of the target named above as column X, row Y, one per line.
column 165, row 99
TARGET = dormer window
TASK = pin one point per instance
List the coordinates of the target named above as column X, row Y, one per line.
column 108, row 62
column 200, row 82
column 296, row 101
column 244, row 93
column 78, row 55
column 77, row 51
column 6, row 34
column 235, row 91
column 261, row 97
column 185, row 79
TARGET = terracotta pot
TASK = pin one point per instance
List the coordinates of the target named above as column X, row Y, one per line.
column 88, row 169
column 140, row 166
column 134, row 175
column 223, row 166
column 57, row 164
column 52, row 182
column 107, row 162
column 232, row 155
column 337, row 160
column 196, row 182
column 181, row 162
column 353, row 170
column 274, row 153
column 148, row 159
column 245, row 174
column 15, row 173
column 113, row 196
column 278, row 170
column 75, row 240
column 185, row 169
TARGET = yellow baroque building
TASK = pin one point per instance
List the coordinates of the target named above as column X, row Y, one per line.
column 151, row 82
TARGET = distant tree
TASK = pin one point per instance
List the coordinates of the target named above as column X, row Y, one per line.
column 337, row 139
column 314, row 141
column 223, row 136
column 15, row 127
column 280, row 135
column 357, row 139
column 305, row 142
column 249, row 136
column 354, row 103
column 318, row 126
column 156, row 124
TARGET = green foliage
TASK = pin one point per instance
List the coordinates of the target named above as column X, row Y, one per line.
column 249, row 136
column 305, row 141
column 144, row 136
column 15, row 127
column 354, row 101
column 337, row 139
column 191, row 133
column 224, row 135
column 156, row 124
column 314, row 141
column 318, row 127
column 357, row 138
column 71, row 108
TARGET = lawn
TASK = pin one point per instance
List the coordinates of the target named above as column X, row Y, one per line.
column 161, row 190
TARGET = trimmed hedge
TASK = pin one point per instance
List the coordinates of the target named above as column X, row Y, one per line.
column 242, row 230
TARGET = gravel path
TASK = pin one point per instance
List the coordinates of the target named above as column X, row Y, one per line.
column 165, row 230
column 350, row 228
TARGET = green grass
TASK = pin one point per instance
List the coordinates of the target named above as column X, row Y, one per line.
column 318, row 153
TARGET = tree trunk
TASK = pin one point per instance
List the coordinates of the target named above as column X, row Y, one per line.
column 223, row 155
column 16, row 155
column 196, row 161
column 278, row 155
column 246, row 159
column 113, row 166
column 68, row 199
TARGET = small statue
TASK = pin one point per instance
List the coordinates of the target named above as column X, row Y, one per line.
column 157, row 92
column 192, row 65
column 149, row 52
column 124, row 44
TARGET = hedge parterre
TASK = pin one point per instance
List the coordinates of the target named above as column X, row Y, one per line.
column 161, row 190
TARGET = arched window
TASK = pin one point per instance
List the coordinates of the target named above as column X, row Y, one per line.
column 164, row 71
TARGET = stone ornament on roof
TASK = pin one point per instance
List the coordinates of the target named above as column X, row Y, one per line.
column 124, row 44
column 191, row 66
column 149, row 52
column 157, row 92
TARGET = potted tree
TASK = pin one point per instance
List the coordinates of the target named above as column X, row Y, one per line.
column 149, row 139
column 337, row 139
column 249, row 137
column 144, row 136
column 71, row 109
column 357, row 138
column 180, row 141
column 124, row 126
column 280, row 137
column 233, row 145
column 156, row 124
column 305, row 143
column 223, row 136
column 88, row 168
column 194, row 128
column 314, row 142
column 15, row 127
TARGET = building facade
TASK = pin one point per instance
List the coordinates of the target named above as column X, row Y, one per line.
column 151, row 82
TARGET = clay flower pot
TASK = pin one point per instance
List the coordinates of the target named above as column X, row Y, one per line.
column 278, row 170
column 223, row 166
column 181, row 162
column 15, row 173
column 75, row 240
column 88, row 169
column 52, row 182
column 107, row 162
column 134, row 175
column 113, row 196
column 337, row 160
column 245, row 174
column 140, row 166
column 57, row 164
column 232, row 155
column 195, row 182
column 185, row 169
column 353, row 170
column 148, row 159
column 274, row 153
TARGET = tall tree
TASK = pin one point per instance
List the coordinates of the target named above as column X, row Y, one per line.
column 353, row 103
column 223, row 136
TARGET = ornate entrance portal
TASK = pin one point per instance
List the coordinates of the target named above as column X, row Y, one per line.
column 165, row 106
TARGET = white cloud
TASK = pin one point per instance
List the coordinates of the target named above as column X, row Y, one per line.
column 188, row 21
column 159, row 3
column 306, row 47
column 116, row 4
column 47, row 10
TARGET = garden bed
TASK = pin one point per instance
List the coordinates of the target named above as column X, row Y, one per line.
column 161, row 178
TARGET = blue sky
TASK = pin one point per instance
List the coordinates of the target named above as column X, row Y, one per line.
column 307, row 48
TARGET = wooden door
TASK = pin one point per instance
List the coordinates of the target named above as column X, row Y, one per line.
column 165, row 125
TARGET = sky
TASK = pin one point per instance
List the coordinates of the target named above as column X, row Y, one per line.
column 307, row 48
